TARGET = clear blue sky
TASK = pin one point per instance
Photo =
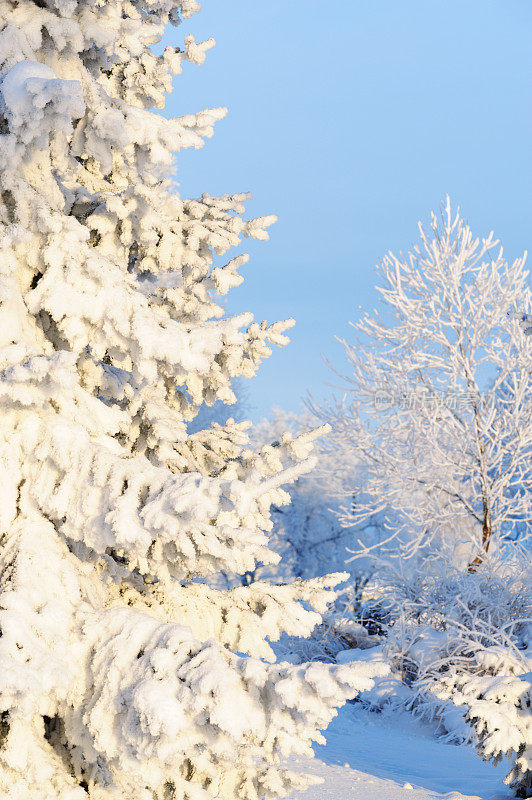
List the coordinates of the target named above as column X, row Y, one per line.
column 351, row 124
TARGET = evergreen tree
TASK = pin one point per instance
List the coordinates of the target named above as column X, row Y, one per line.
column 123, row 673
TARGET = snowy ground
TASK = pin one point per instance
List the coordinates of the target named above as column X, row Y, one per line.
column 369, row 757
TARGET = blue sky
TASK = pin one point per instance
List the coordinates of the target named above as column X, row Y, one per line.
column 351, row 120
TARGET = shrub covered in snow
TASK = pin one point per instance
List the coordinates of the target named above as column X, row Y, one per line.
column 460, row 650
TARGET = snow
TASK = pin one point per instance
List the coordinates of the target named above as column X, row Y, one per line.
column 357, row 654
column 14, row 83
column 38, row 102
column 373, row 757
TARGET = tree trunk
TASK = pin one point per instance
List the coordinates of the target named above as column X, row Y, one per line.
column 486, row 539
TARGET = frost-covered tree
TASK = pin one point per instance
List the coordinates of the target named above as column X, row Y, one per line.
column 123, row 673
column 439, row 400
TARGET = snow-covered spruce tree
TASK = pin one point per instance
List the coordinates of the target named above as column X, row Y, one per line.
column 122, row 674
column 439, row 400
